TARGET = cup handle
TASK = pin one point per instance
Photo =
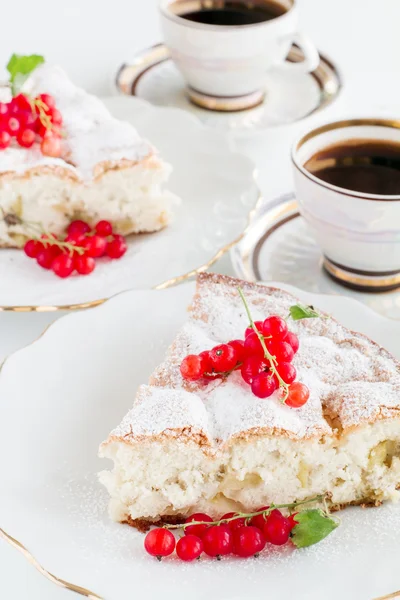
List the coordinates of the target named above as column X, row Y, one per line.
column 311, row 56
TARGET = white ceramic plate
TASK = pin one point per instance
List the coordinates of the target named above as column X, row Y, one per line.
column 279, row 245
column 218, row 191
column 59, row 399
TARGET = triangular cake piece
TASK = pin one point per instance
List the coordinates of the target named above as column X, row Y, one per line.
column 187, row 447
column 106, row 171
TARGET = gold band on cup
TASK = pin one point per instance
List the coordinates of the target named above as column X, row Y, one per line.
column 365, row 281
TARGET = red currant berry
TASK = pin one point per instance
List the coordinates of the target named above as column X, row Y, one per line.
column 275, row 327
column 75, row 238
column 41, row 130
column 37, row 127
column 32, row 248
column 159, row 542
column 55, row 116
column 4, row 109
column 5, row 140
column 218, row 541
column 236, row 524
column 259, row 520
column 12, row 108
column 248, row 541
column 26, row 138
column 253, row 366
column 46, row 255
column 277, row 528
column 223, row 358
column 282, row 351
column 192, row 367
column 13, row 126
column 84, row 264
column 252, row 345
column 95, row 246
column 28, row 120
column 249, row 330
column 47, row 100
column 207, row 365
column 117, row 247
column 189, row 547
column 292, row 520
column 78, row 226
column 298, row 395
column 51, row 146
column 293, row 340
column 197, row 530
column 21, row 102
column 264, row 385
column 287, row 372
column 63, row 265
column 104, row 228
column 238, row 346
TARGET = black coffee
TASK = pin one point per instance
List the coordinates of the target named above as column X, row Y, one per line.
column 369, row 166
column 230, row 13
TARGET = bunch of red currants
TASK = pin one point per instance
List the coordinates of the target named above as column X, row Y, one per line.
column 264, row 359
column 232, row 534
column 78, row 251
column 31, row 120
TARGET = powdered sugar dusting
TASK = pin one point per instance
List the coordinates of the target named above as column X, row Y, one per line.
column 350, row 378
column 181, row 409
column 92, row 134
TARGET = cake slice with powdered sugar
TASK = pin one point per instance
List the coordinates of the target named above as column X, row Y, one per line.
column 188, row 447
column 106, row 171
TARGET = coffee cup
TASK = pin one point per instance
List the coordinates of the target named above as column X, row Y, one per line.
column 224, row 48
column 347, row 181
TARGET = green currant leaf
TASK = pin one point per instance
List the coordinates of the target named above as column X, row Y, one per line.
column 20, row 66
column 300, row 311
column 313, row 526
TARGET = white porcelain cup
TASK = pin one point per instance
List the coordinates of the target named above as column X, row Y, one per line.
column 359, row 233
column 231, row 60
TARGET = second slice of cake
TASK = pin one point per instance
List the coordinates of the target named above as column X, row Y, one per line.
column 106, row 171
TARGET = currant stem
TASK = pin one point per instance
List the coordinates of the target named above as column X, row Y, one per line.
column 267, row 354
column 266, row 512
column 43, row 116
column 216, row 374
column 49, row 241
column 53, row 242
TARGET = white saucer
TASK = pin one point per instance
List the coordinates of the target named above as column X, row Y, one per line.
column 152, row 75
column 59, row 399
column 279, row 246
column 218, row 191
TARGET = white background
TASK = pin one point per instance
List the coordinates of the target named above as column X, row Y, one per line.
column 90, row 39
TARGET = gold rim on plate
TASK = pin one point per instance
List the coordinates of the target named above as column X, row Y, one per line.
column 60, row 582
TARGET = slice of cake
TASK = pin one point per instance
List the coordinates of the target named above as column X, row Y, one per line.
column 188, row 447
column 106, row 171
